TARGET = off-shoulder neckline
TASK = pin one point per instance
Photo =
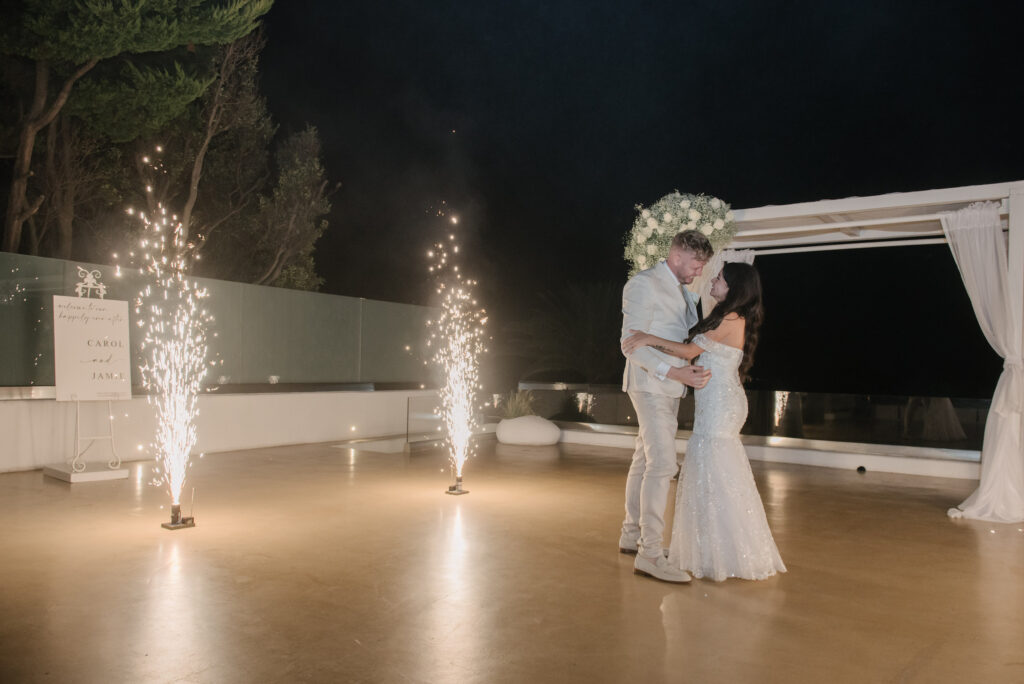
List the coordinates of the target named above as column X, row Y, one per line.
column 720, row 344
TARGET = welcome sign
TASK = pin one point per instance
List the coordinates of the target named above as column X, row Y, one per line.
column 92, row 352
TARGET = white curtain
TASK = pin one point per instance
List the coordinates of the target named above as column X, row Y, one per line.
column 703, row 286
column 976, row 238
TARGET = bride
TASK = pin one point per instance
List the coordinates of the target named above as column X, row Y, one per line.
column 720, row 529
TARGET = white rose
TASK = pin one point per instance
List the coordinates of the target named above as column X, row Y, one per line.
column 728, row 215
column 694, row 214
column 715, row 203
column 691, row 225
column 685, row 204
column 641, row 261
column 660, row 230
column 652, row 223
column 645, row 213
column 652, row 249
column 707, row 229
column 667, row 218
column 719, row 224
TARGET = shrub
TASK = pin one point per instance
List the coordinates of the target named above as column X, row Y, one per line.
column 517, row 403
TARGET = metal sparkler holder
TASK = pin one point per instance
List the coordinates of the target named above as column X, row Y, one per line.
column 177, row 521
column 456, row 489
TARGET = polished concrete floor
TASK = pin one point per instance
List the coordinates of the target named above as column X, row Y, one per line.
column 324, row 564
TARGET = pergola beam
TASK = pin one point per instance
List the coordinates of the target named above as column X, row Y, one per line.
column 895, row 200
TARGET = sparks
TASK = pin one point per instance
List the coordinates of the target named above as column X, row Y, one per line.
column 174, row 349
column 458, row 338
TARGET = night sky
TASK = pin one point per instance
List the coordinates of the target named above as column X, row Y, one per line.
column 542, row 124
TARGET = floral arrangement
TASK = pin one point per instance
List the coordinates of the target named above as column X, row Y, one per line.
column 649, row 239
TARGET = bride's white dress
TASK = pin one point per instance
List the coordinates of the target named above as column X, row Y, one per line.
column 720, row 529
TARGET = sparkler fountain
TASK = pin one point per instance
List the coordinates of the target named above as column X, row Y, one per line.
column 170, row 312
column 457, row 338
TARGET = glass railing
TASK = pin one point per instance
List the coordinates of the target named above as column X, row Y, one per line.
column 941, row 422
column 265, row 336
column 423, row 422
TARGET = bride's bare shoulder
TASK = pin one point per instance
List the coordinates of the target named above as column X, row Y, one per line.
column 729, row 331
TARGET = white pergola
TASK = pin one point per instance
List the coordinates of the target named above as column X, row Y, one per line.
column 893, row 220
column 921, row 218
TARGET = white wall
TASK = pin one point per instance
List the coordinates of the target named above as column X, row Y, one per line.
column 38, row 432
column 846, row 455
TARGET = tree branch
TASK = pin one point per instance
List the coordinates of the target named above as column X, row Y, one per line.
column 64, row 93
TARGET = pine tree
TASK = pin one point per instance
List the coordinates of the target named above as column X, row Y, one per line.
column 55, row 43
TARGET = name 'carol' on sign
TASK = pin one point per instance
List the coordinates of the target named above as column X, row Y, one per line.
column 106, row 343
column 92, row 358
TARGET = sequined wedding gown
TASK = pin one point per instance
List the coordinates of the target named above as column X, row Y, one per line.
column 720, row 529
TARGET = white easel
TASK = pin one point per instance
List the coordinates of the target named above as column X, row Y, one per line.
column 77, row 470
column 76, row 464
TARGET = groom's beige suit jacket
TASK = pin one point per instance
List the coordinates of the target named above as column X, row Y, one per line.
column 653, row 301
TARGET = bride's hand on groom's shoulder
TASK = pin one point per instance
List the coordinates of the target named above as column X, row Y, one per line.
column 691, row 376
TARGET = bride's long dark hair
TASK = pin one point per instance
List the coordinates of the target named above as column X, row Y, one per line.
column 743, row 298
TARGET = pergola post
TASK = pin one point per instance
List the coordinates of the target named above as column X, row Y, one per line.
column 1016, row 260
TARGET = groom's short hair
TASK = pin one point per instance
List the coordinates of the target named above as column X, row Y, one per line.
column 696, row 242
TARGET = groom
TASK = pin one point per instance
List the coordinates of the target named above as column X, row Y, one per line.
column 655, row 301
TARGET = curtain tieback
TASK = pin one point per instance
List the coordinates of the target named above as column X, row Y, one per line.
column 1013, row 364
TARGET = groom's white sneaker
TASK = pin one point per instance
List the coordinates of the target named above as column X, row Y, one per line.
column 659, row 569
column 627, row 545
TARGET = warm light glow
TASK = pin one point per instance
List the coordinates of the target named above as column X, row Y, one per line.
column 174, row 347
column 457, row 338
column 781, row 400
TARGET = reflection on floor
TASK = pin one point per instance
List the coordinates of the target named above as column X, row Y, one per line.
column 318, row 564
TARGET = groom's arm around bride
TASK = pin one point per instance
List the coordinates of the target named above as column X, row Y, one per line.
column 655, row 300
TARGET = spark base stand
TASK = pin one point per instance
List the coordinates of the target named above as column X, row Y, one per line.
column 92, row 472
column 456, row 489
column 178, row 522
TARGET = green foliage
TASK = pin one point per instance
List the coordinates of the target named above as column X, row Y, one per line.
column 290, row 219
column 301, row 275
column 517, row 403
column 123, row 67
column 181, row 73
column 75, row 31
column 128, row 98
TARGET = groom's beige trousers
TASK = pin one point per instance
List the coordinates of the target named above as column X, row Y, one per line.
column 650, row 474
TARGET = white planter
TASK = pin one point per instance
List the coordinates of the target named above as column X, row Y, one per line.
column 531, row 430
